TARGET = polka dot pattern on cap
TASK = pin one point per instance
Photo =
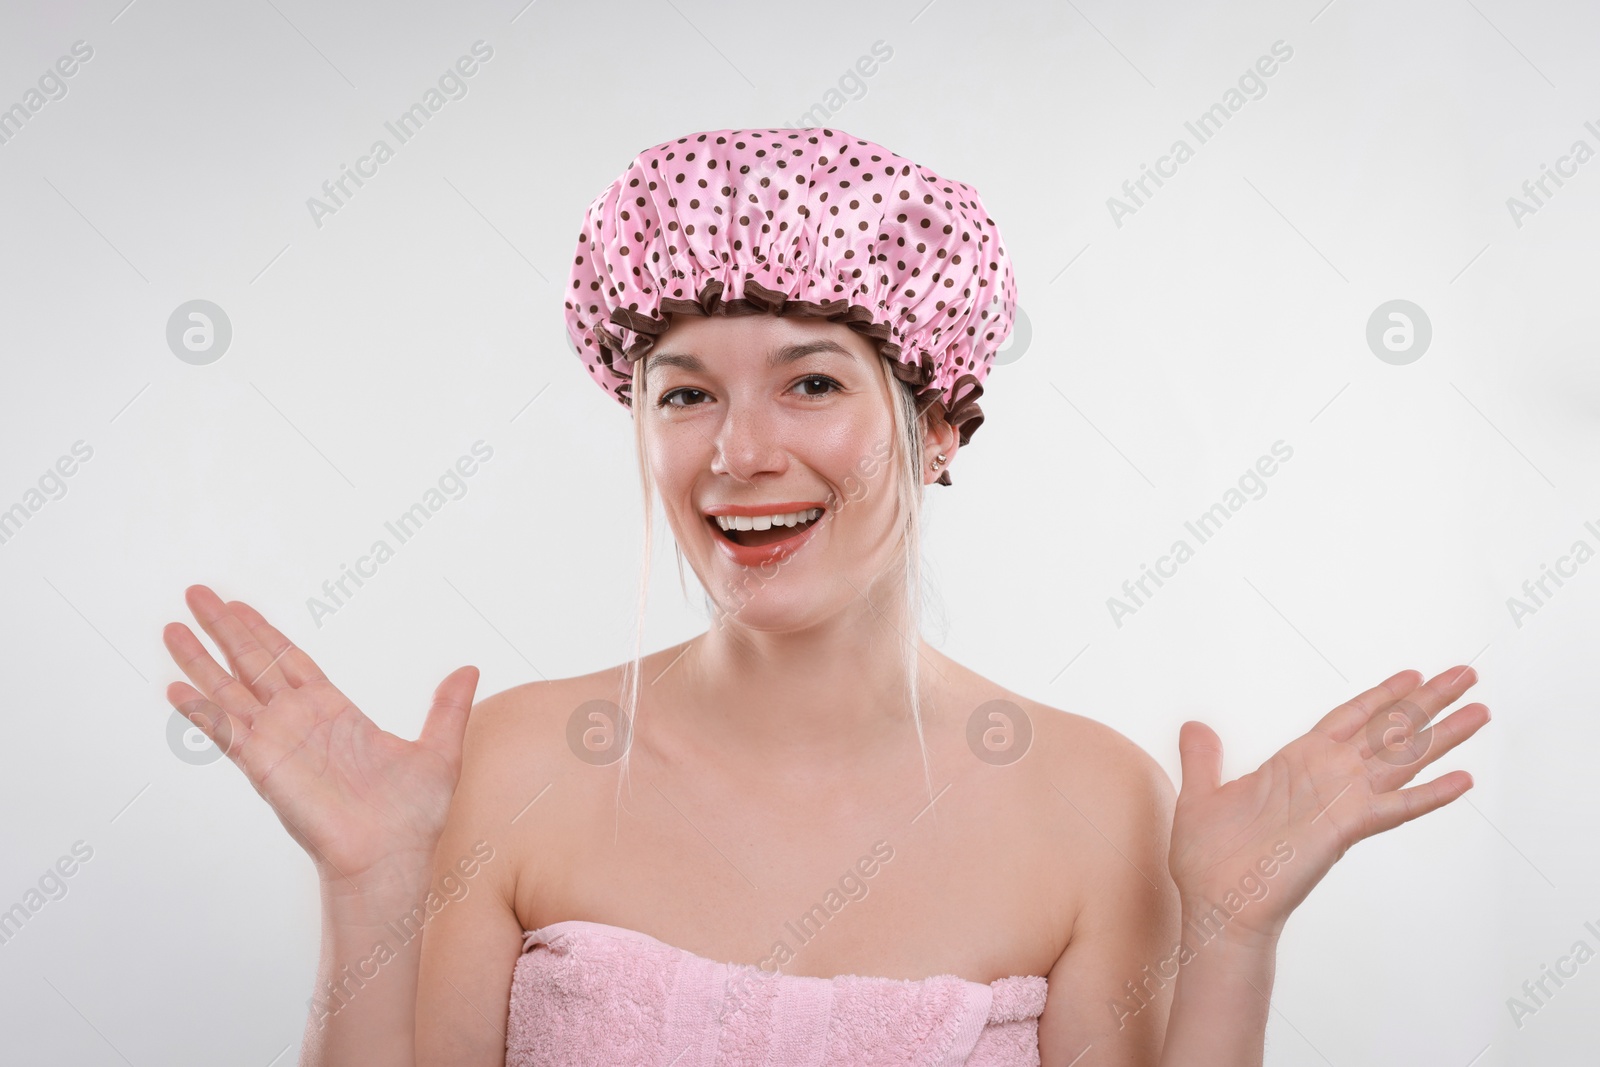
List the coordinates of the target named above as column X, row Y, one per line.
column 811, row 222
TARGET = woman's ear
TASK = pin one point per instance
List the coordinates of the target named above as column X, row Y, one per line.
column 939, row 439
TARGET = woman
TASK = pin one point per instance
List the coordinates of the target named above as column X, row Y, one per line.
column 805, row 835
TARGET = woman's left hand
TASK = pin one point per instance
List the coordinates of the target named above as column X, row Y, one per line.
column 1284, row 825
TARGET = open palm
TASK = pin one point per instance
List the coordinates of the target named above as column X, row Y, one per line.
column 367, row 805
column 1302, row 809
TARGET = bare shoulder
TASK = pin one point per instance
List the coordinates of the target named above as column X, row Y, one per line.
column 520, row 783
column 1092, row 765
column 518, row 720
column 516, row 750
column 1098, row 759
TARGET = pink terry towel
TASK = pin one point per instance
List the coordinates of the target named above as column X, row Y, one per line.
column 588, row 993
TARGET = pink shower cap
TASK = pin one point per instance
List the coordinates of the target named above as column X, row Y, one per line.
column 796, row 222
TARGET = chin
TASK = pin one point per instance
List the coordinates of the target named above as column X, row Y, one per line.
column 761, row 604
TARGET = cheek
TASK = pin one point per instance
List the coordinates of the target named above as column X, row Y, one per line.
column 849, row 448
column 836, row 451
column 861, row 471
column 676, row 454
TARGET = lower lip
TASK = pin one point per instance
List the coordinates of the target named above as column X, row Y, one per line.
column 756, row 555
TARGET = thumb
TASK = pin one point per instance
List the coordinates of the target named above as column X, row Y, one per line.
column 1200, row 750
column 446, row 723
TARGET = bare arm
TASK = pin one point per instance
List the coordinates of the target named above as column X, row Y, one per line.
column 367, row 806
column 364, row 997
column 1112, row 987
column 1219, row 1015
column 1242, row 856
column 1245, row 854
column 472, row 942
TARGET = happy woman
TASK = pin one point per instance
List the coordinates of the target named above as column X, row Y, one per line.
column 804, row 836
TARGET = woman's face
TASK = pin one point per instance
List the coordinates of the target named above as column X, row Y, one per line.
column 764, row 415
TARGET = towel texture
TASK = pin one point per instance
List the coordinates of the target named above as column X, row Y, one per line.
column 589, row 993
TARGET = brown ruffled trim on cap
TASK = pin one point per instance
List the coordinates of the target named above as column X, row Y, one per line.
column 963, row 412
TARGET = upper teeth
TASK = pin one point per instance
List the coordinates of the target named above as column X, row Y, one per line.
column 766, row 522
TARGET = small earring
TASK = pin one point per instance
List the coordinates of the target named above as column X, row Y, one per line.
column 940, row 458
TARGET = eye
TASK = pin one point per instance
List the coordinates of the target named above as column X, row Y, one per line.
column 669, row 398
column 823, row 378
column 666, row 398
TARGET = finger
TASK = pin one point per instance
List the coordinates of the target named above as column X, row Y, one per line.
column 1443, row 689
column 1398, row 733
column 446, row 723
column 1416, row 751
column 297, row 666
column 224, row 689
column 223, row 730
column 1200, row 751
column 1342, row 722
column 1388, row 810
column 249, row 661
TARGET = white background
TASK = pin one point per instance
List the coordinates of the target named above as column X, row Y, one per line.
column 1167, row 354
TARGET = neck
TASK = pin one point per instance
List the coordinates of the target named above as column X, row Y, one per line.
column 829, row 694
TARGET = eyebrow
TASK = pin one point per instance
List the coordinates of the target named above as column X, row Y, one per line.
column 776, row 358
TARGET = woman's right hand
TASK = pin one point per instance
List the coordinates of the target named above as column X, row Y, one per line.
column 368, row 806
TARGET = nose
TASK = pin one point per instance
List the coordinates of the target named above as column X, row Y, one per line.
column 747, row 444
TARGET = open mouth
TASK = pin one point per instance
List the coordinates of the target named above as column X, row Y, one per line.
column 774, row 532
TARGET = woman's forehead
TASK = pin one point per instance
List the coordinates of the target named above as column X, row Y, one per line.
column 711, row 336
